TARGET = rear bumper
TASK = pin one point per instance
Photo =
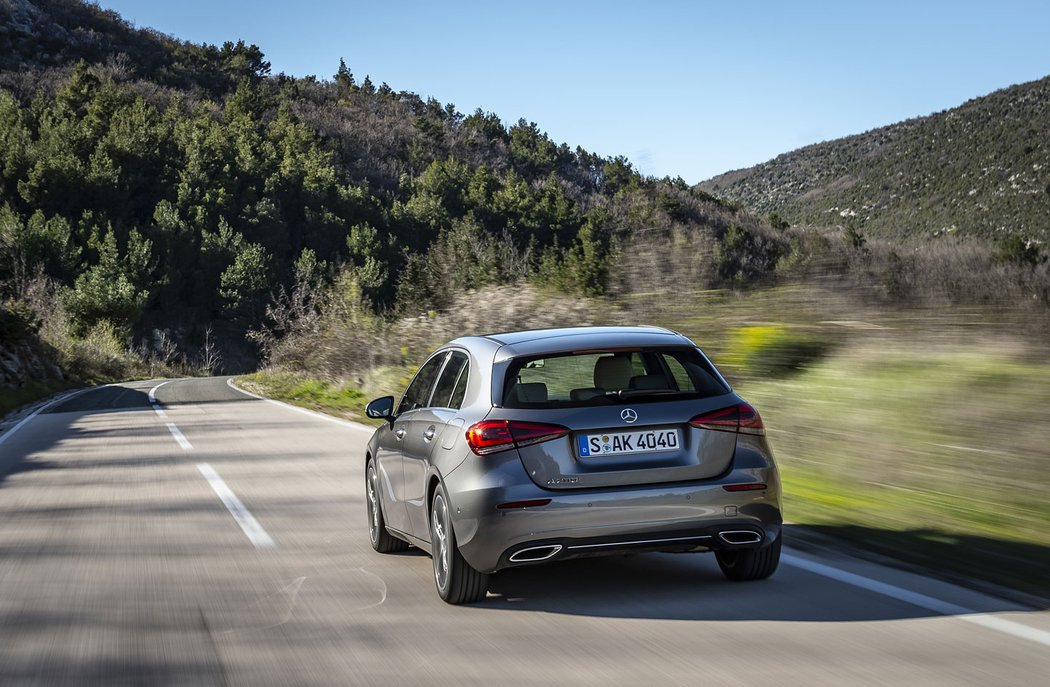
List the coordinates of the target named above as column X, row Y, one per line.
column 724, row 536
column 681, row 516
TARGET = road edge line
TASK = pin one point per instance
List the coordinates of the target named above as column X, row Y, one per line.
column 64, row 397
column 305, row 411
column 919, row 600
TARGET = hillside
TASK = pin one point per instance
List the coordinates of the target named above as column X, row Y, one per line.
column 41, row 34
column 980, row 169
column 164, row 188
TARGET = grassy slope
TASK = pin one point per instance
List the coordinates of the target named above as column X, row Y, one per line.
column 336, row 397
column 935, row 456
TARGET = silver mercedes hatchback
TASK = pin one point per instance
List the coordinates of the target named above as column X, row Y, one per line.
column 528, row 447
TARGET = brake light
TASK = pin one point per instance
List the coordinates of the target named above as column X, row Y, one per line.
column 741, row 418
column 490, row 436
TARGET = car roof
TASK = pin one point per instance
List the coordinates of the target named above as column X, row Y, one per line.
column 511, row 338
column 539, row 341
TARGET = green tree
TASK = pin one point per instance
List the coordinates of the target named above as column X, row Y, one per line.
column 414, row 294
column 777, row 222
column 240, row 60
column 854, row 238
column 587, row 261
column 486, row 126
column 15, row 141
column 618, row 175
column 366, row 256
column 105, row 292
column 533, row 153
column 1018, row 250
column 245, row 284
column 744, row 256
column 343, row 77
column 40, row 243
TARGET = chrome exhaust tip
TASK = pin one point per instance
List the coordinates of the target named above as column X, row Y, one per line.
column 740, row 537
column 535, row 553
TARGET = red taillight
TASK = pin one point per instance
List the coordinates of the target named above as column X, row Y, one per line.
column 490, row 436
column 741, row 418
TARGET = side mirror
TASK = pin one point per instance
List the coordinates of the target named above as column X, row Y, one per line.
column 381, row 408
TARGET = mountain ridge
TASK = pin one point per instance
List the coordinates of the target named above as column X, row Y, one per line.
column 909, row 180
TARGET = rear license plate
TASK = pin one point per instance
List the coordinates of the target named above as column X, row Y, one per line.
column 614, row 443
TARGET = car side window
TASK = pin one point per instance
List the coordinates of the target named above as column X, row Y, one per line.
column 452, row 384
column 681, row 377
column 418, row 393
column 460, row 390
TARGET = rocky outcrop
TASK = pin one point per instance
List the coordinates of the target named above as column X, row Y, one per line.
column 24, row 358
column 25, row 362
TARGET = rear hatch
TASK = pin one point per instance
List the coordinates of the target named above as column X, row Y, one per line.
column 619, row 417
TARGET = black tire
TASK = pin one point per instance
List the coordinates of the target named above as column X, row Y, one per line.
column 382, row 541
column 750, row 564
column 456, row 581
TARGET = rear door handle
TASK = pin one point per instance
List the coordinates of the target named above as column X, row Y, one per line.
column 429, row 434
column 400, row 434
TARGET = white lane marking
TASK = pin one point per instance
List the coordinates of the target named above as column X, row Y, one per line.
column 921, row 600
column 304, row 411
column 244, row 518
column 180, row 438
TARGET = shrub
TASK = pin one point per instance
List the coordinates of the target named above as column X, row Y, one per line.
column 774, row 350
column 17, row 321
column 744, row 256
column 1018, row 250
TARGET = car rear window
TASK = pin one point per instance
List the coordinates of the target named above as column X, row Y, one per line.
column 591, row 378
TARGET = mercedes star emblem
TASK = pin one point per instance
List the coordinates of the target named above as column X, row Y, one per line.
column 628, row 415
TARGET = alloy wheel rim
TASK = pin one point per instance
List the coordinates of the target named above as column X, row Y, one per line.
column 439, row 535
column 373, row 506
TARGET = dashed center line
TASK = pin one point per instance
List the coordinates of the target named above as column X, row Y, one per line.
column 242, row 515
column 249, row 525
column 179, row 437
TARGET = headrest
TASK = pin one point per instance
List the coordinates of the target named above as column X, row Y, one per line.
column 531, row 392
column 613, row 372
column 650, row 382
column 585, row 394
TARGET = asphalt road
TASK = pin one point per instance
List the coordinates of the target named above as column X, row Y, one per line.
column 214, row 538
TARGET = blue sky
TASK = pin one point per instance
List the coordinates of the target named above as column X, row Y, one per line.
column 688, row 89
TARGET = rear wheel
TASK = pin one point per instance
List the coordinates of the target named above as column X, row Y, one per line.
column 457, row 582
column 750, row 564
column 382, row 541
